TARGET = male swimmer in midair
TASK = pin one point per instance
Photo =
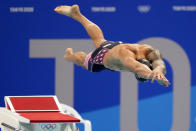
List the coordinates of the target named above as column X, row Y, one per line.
column 145, row 61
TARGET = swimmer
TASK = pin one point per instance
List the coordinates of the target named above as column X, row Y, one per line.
column 141, row 59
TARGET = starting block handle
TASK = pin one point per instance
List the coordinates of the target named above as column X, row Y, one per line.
column 11, row 127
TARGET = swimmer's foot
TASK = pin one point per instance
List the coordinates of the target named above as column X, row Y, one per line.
column 68, row 54
column 68, row 10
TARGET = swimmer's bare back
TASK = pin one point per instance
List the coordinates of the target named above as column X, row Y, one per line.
column 122, row 57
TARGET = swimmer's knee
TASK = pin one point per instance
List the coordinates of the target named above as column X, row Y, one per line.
column 80, row 55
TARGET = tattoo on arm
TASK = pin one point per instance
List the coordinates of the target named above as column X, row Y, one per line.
column 156, row 59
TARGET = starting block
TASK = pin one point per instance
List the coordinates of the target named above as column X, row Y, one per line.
column 39, row 113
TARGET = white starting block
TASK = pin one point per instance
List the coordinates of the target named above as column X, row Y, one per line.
column 39, row 113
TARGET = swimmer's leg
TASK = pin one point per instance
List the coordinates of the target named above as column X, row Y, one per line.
column 93, row 30
column 77, row 58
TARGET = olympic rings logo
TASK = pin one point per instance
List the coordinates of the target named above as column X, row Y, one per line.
column 48, row 126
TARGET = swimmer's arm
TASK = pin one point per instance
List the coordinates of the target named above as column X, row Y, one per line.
column 128, row 60
column 140, row 69
column 158, row 66
column 157, row 62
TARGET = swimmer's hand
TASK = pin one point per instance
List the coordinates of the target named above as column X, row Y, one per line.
column 159, row 77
